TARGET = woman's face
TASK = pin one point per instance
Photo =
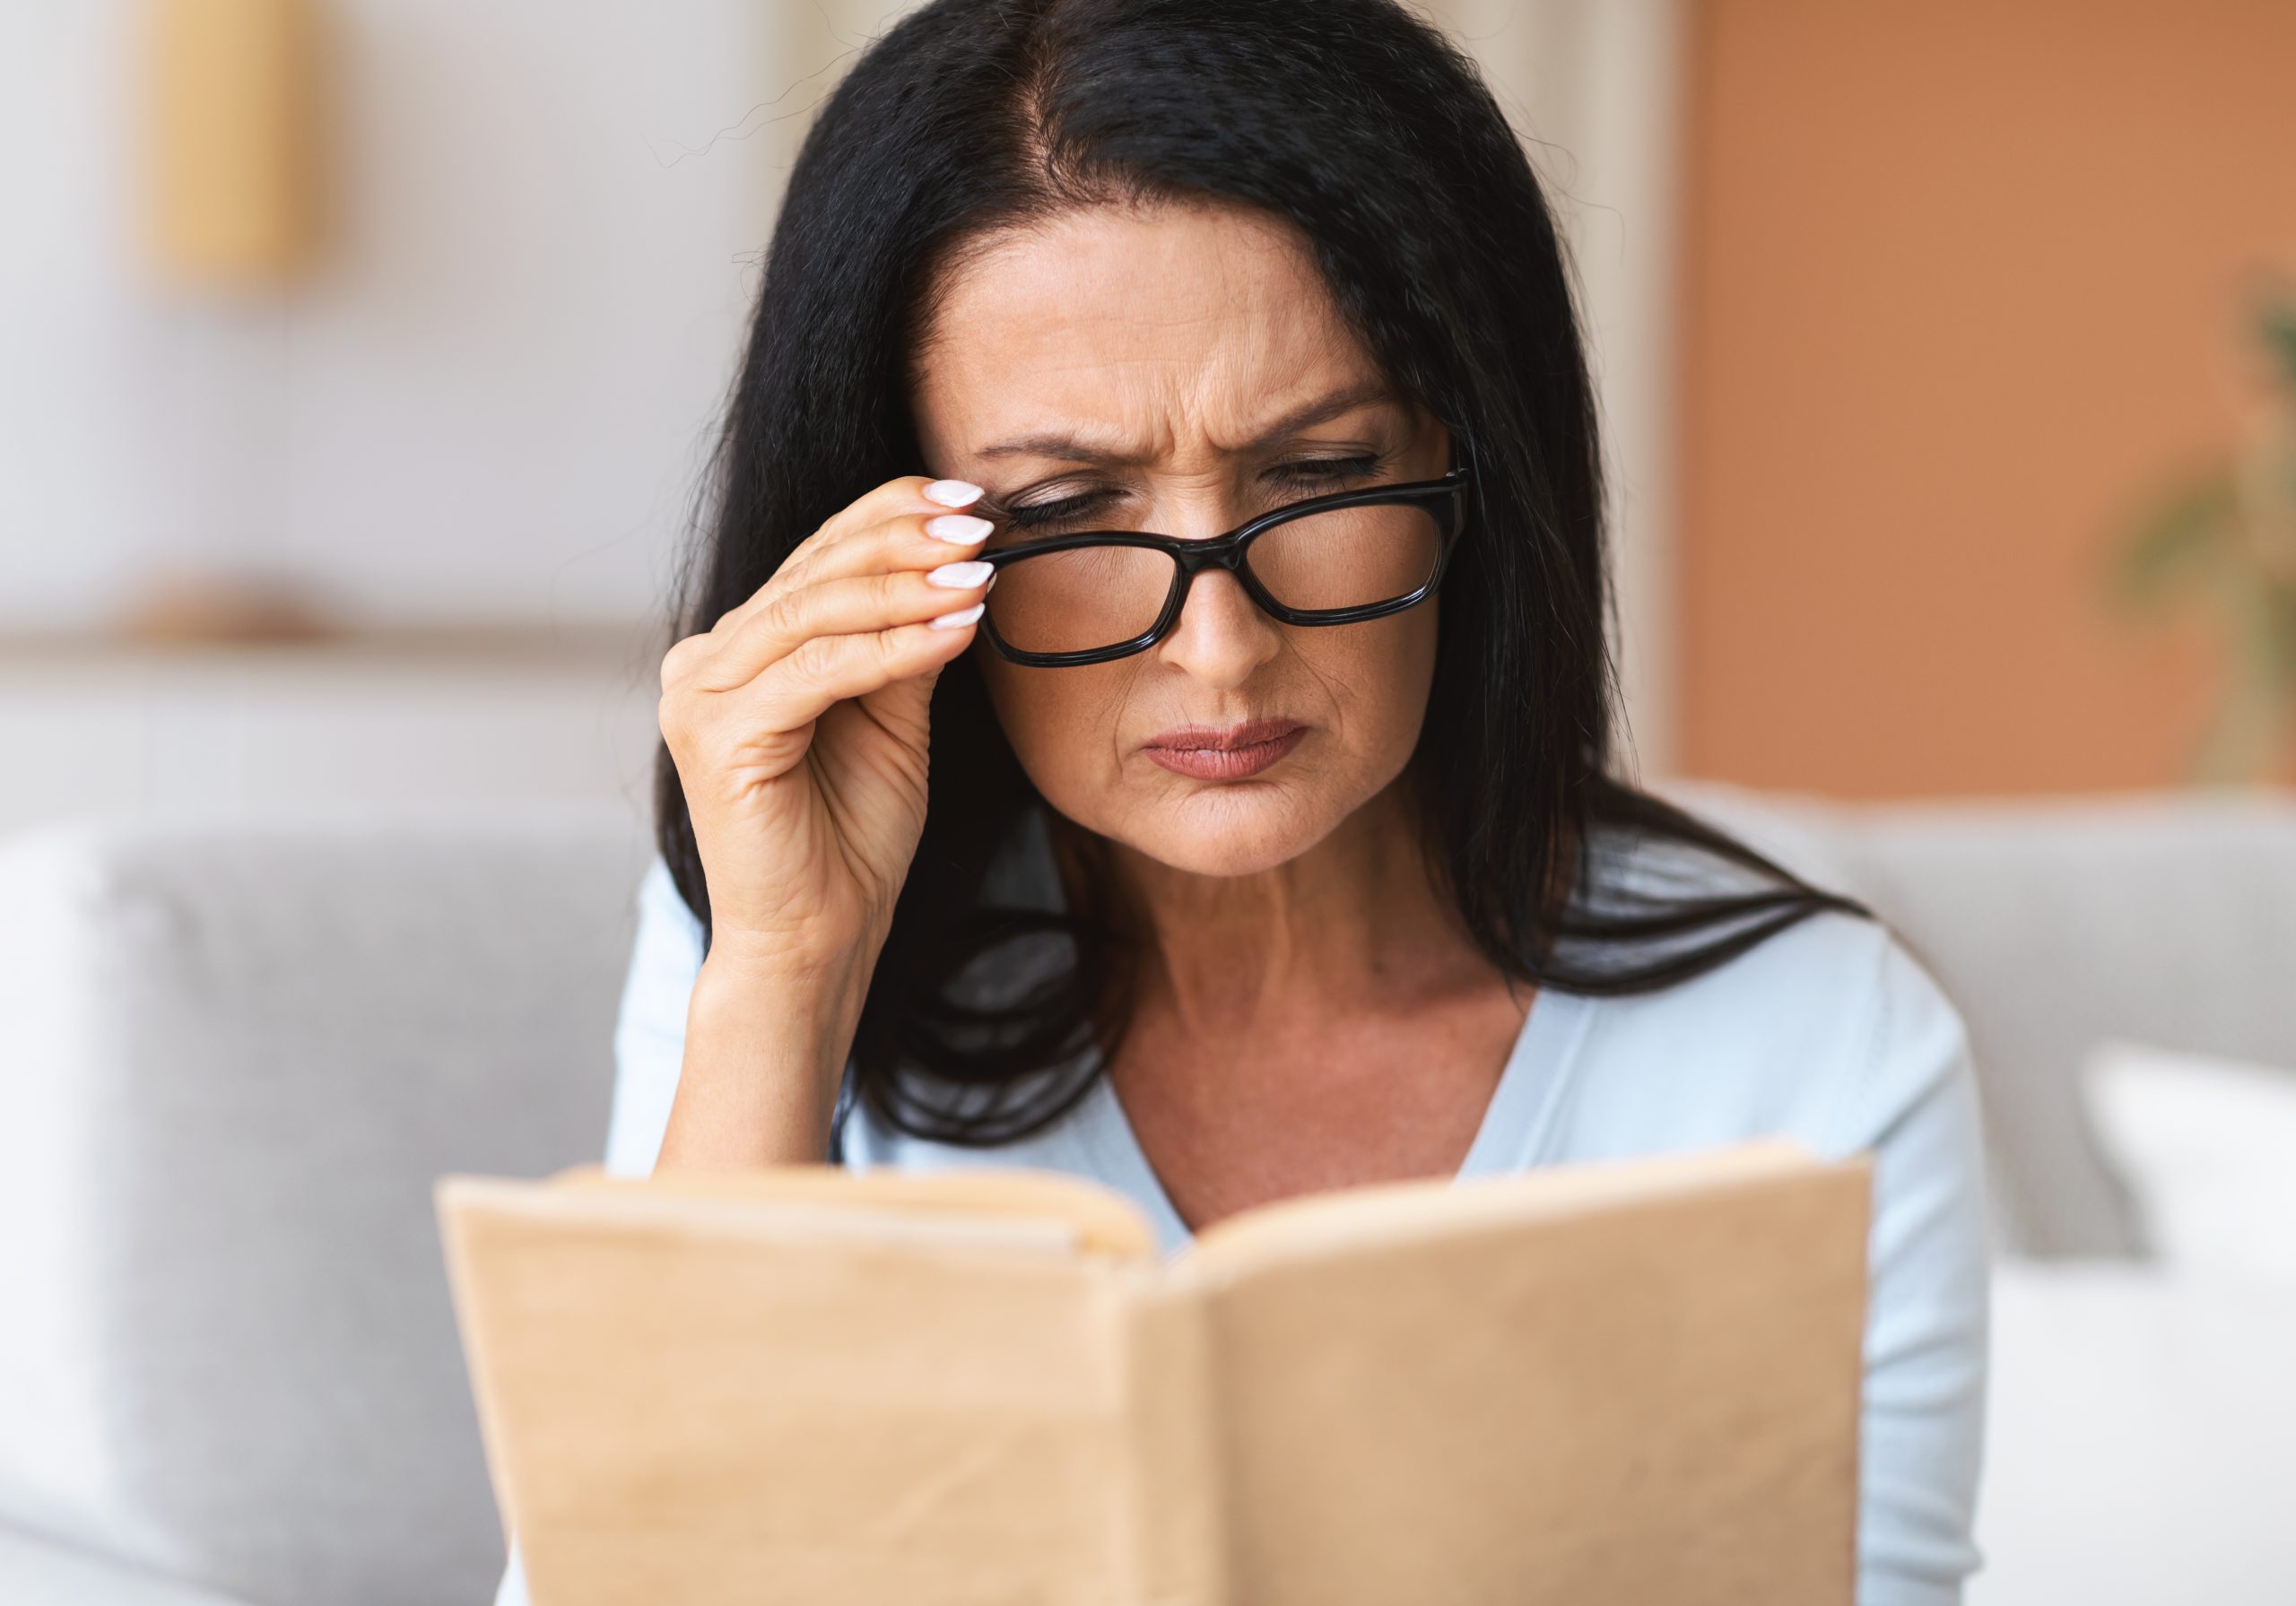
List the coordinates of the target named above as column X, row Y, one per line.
column 1184, row 368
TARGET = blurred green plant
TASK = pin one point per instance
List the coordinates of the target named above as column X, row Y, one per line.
column 2226, row 540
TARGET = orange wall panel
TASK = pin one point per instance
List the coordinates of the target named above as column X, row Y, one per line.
column 1964, row 282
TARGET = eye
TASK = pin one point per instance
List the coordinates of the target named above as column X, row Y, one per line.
column 1323, row 473
column 1310, row 475
column 1067, row 510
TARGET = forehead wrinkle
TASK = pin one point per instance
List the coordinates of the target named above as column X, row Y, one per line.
column 1089, row 327
column 1125, row 412
column 1080, row 400
column 1190, row 413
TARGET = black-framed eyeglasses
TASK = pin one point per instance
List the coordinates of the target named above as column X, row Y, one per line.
column 1338, row 558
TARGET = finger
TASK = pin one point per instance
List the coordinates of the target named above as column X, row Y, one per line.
column 828, row 670
column 912, row 498
column 897, row 546
column 908, row 541
column 853, row 604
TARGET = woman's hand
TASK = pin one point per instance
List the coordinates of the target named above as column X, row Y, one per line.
column 799, row 727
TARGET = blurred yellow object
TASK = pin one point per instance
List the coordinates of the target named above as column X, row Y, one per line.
column 234, row 134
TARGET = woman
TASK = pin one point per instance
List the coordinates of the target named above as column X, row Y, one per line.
column 1174, row 410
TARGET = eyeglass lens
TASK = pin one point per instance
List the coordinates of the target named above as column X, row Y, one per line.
column 1084, row 599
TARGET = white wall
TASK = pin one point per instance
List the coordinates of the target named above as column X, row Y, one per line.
column 494, row 400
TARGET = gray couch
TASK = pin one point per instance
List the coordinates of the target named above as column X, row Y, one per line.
column 235, row 1055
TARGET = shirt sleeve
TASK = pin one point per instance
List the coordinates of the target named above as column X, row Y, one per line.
column 1922, row 1425
column 650, row 1032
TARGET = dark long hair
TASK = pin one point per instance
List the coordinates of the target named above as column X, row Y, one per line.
column 1363, row 126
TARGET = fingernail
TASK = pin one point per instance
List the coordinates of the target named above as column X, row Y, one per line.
column 962, row 528
column 959, row 619
column 957, row 577
column 952, row 493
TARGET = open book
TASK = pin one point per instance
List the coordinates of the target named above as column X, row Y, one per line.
column 1624, row 1382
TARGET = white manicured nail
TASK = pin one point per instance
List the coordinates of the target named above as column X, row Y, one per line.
column 957, row 577
column 952, row 493
column 959, row 619
column 962, row 528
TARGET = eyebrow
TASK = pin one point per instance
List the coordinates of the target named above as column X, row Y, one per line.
column 1077, row 449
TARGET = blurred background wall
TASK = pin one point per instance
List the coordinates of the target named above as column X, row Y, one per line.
column 1901, row 315
column 1965, row 284
column 393, row 527
column 485, row 401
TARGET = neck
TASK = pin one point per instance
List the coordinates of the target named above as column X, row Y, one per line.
column 1356, row 924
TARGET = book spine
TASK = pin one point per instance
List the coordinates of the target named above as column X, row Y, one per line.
column 1171, row 1497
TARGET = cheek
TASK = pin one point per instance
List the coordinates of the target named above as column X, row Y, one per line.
column 1376, row 677
column 1057, row 720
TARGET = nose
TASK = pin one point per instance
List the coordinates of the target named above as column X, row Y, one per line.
column 1222, row 638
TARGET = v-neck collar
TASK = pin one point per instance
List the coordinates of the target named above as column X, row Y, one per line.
column 1511, row 1137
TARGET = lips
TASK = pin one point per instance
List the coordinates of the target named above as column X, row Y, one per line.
column 1233, row 752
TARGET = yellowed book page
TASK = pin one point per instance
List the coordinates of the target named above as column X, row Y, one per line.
column 1549, row 1390
column 1103, row 1219
column 1173, row 1535
column 714, row 1403
column 1409, row 1211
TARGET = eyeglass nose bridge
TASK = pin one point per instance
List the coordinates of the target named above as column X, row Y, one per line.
column 1219, row 551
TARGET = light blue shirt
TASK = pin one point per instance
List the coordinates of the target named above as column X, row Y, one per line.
column 1830, row 1033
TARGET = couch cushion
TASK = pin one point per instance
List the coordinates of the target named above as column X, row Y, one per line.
column 2205, row 1146
column 38, row 1572
column 234, row 1058
column 2140, row 1438
column 2056, row 924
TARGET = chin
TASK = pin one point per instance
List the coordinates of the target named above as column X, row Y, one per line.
column 1239, row 828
